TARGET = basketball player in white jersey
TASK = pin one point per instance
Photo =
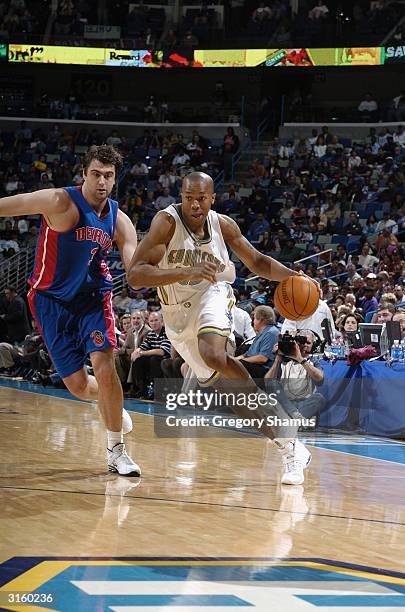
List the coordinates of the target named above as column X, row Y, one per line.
column 185, row 256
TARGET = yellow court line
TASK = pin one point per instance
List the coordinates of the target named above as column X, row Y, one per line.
column 46, row 570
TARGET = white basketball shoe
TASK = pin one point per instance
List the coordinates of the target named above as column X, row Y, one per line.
column 120, row 462
column 296, row 458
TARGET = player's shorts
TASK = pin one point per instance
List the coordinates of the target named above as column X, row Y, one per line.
column 72, row 330
column 209, row 312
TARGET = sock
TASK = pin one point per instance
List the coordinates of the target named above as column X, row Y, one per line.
column 284, row 445
column 113, row 438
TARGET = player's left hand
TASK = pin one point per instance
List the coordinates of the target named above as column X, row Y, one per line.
column 317, row 285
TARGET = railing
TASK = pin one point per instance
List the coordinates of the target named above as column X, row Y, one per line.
column 261, row 128
column 16, row 270
column 330, row 251
column 247, row 146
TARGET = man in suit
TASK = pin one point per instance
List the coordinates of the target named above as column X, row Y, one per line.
column 135, row 336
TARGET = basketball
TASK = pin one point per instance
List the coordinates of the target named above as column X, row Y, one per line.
column 296, row 298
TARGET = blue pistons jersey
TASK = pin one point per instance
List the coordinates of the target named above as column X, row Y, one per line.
column 71, row 287
column 73, row 262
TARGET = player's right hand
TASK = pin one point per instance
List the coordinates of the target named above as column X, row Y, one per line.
column 204, row 270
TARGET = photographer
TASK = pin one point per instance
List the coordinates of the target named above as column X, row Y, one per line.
column 294, row 376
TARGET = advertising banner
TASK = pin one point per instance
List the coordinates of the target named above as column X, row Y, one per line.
column 213, row 58
column 394, row 55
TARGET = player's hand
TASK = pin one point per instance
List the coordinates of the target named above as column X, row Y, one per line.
column 317, row 285
column 204, row 270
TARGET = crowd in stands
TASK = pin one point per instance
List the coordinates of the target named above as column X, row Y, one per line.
column 23, row 18
column 146, row 26
column 156, row 162
column 336, row 201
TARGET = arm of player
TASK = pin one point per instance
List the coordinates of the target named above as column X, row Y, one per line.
column 143, row 270
column 46, row 202
column 260, row 264
column 275, row 368
column 125, row 237
column 254, row 358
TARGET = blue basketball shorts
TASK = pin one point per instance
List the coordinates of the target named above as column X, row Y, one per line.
column 72, row 330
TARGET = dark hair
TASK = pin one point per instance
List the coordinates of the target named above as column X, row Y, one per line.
column 106, row 154
column 11, row 288
column 386, row 306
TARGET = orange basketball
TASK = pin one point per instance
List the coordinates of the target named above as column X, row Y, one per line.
column 296, row 298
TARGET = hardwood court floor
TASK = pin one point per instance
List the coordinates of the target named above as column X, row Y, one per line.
column 215, row 497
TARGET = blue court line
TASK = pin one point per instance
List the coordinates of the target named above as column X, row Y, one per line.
column 389, row 450
column 355, row 601
column 142, row 407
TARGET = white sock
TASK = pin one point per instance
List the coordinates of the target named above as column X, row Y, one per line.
column 113, row 438
column 284, row 445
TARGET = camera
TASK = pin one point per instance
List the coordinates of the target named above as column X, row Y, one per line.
column 286, row 343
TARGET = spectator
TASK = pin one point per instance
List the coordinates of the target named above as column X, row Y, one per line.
column 261, row 13
column 320, row 11
column 147, row 358
column 180, row 159
column 164, row 200
column 353, row 228
column 387, row 223
column 366, row 259
column 319, row 147
column 189, row 40
column 243, row 323
column 368, row 302
column 368, row 109
column 385, row 312
column 231, row 142
column 135, row 336
column 314, row 322
column 140, row 171
column 257, row 228
column 349, row 323
column 396, row 111
column 400, row 316
column 289, row 252
column 14, row 315
column 399, row 293
column 169, row 40
column 258, row 358
column 121, row 301
column 137, row 303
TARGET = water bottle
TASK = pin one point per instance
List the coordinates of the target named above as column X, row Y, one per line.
column 150, row 391
column 342, row 349
column 339, row 348
column 402, row 349
column 396, row 352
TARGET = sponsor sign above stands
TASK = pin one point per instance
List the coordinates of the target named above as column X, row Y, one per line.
column 394, row 55
column 213, row 58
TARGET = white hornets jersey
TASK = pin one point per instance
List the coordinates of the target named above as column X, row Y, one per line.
column 185, row 249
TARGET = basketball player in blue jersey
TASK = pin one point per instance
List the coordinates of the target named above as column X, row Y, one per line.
column 70, row 295
column 185, row 256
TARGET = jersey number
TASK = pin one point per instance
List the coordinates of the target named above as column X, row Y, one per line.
column 93, row 254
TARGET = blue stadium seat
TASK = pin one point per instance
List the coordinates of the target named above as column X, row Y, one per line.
column 353, row 243
column 339, row 239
